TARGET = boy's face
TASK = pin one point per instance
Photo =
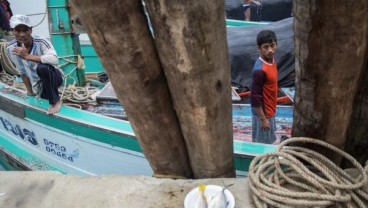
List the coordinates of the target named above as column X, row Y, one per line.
column 267, row 51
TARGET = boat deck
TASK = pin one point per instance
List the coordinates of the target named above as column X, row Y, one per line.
column 108, row 105
column 116, row 133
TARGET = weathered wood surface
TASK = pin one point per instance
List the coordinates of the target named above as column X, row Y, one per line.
column 194, row 90
column 120, row 35
column 357, row 143
column 331, row 57
column 191, row 43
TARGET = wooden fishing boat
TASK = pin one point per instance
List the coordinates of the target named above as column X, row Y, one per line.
column 93, row 139
column 81, row 142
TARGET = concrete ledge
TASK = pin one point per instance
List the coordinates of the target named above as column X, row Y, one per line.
column 52, row 189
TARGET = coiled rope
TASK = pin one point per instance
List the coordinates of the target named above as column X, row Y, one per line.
column 7, row 65
column 6, row 78
column 78, row 94
column 73, row 93
column 282, row 178
column 9, row 72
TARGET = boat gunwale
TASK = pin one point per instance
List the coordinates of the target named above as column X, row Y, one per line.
column 70, row 118
column 37, row 107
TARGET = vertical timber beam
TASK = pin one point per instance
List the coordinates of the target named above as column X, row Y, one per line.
column 190, row 37
column 357, row 144
column 121, row 37
column 331, row 51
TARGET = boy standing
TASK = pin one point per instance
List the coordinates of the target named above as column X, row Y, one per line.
column 263, row 95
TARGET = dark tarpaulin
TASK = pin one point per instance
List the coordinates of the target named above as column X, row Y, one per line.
column 243, row 52
column 271, row 10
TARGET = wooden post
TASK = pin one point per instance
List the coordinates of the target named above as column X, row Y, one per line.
column 190, row 38
column 357, row 143
column 120, row 35
column 331, row 55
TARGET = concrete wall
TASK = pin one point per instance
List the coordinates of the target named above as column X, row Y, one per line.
column 52, row 189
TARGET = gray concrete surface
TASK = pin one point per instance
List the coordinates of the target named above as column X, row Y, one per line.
column 51, row 189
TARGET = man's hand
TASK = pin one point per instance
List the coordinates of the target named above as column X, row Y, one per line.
column 21, row 51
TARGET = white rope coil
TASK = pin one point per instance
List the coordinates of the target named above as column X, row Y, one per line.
column 71, row 92
column 6, row 78
column 7, row 65
column 76, row 94
column 295, row 176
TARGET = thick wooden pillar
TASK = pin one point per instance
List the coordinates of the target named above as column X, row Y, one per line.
column 357, row 143
column 119, row 33
column 190, row 38
column 331, row 51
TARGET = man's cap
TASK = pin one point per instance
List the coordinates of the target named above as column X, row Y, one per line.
column 19, row 19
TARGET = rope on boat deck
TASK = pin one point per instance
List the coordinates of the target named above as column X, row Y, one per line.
column 6, row 64
column 76, row 94
column 73, row 93
column 6, row 78
column 7, row 75
column 282, row 179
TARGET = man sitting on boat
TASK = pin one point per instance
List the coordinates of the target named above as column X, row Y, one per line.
column 36, row 59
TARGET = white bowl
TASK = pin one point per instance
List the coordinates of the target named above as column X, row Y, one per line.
column 210, row 191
